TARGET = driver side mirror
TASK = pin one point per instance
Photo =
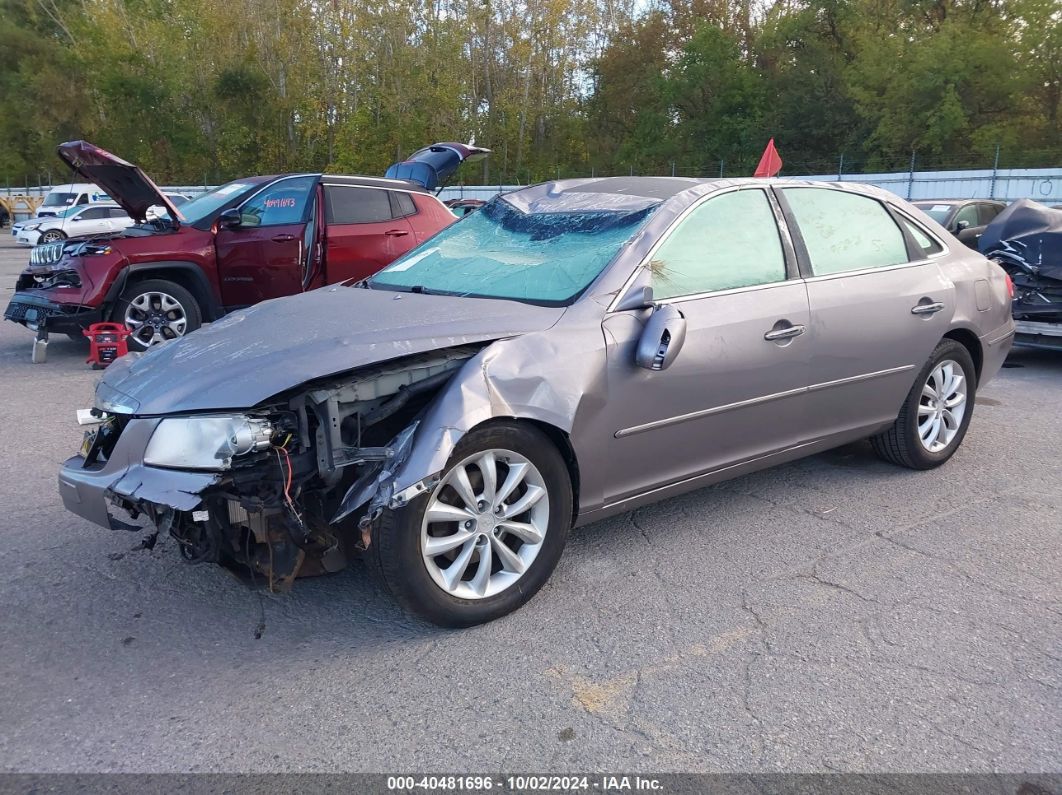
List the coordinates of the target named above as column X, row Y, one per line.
column 961, row 225
column 661, row 338
column 230, row 218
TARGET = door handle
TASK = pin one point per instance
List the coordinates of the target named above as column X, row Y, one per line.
column 927, row 309
column 784, row 333
column 282, row 238
column 396, row 232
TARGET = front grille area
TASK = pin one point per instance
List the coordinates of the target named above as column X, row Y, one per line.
column 47, row 254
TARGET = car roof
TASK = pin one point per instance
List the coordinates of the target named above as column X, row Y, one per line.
column 373, row 182
column 631, row 194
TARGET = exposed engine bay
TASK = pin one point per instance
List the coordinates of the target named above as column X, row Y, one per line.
column 296, row 482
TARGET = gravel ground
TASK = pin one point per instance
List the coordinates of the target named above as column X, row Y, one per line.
column 833, row 614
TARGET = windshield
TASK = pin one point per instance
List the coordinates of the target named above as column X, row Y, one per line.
column 206, row 204
column 499, row 252
column 58, row 199
column 938, row 212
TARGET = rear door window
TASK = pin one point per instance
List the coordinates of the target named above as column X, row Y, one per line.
column 282, row 203
column 845, row 231
column 353, row 205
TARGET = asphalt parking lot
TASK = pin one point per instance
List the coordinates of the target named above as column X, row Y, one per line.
column 833, row 614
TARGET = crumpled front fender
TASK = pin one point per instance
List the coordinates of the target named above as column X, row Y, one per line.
column 507, row 379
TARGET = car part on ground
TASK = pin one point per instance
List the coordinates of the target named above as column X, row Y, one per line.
column 570, row 352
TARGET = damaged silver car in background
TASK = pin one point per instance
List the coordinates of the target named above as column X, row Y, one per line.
column 571, row 351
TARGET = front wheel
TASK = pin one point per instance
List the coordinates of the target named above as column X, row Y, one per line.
column 155, row 311
column 52, row 236
column 934, row 418
column 487, row 537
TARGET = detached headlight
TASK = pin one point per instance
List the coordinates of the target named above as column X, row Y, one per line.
column 206, row 442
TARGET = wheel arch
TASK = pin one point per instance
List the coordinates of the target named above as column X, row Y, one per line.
column 187, row 274
column 560, row 440
column 970, row 341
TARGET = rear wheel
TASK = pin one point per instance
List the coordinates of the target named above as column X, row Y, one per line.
column 156, row 310
column 934, row 418
column 482, row 542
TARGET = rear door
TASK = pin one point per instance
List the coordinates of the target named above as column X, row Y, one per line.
column 879, row 304
column 366, row 229
column 263, row 257
column 737, row 389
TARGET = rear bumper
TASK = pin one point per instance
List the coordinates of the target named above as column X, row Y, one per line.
column 994, row 347
column 35, row 312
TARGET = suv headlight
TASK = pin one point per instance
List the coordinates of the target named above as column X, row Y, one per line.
column 207, row 441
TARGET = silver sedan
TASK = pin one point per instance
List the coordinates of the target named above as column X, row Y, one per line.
column 569, row 352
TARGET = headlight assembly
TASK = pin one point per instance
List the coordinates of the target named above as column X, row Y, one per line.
column 207, row 441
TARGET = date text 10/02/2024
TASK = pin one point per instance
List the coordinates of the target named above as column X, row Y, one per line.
column 470, row 784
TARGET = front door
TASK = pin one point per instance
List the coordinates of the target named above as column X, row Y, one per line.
column 737, row 388
column 264, row 256
column 879, row 305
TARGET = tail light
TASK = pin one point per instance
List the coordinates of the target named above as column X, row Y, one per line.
column 1010, row 286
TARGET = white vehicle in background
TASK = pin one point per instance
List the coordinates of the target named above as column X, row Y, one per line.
column 72, row 194
column 75, row 222
column 176, row 199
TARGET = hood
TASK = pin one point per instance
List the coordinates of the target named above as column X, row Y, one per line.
column 1037, row 226
column 125, row 183
column 433, row 165
column 256, row 353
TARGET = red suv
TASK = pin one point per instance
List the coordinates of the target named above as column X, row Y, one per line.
column 236, row 245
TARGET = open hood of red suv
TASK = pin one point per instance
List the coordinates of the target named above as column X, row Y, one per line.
column 130, row 187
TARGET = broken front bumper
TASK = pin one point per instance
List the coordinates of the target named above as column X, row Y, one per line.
column 90, row 491
column 35, row 312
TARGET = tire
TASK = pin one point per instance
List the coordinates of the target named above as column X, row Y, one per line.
column 52, row 236
column 417, row 581
column 903, row 443
column 147, row 302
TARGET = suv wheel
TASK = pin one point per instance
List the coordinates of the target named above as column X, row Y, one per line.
column 483, row 541
column 934, row 418
column 155, row 311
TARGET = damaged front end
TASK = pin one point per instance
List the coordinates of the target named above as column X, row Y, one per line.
column 288, row 489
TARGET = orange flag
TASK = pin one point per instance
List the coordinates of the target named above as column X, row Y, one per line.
column 770, row 163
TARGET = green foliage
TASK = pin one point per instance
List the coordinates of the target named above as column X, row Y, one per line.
column 201, row 91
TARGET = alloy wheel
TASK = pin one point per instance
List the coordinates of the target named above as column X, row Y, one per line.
column 52, row 236
column 941, row 406
column 485, row 524
column 155, row 317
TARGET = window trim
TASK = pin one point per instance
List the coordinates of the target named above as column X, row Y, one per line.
column 789, row 257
